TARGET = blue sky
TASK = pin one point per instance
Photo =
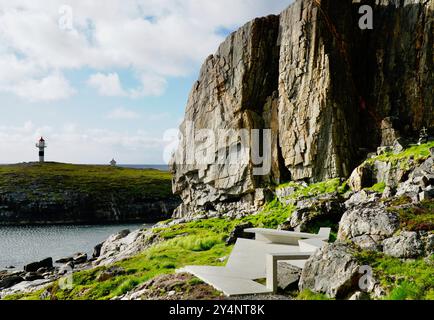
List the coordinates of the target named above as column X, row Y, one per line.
column 108, row 78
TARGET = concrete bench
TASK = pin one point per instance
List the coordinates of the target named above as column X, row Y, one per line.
column 287, row 237
column 307, row 249
column 252, row 260
column 271, row 266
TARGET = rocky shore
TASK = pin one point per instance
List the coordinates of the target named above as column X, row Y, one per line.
column 39, row 274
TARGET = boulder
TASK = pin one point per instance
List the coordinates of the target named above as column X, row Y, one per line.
column 33, row 267
column 368, row 242
column 333, row 271
column 79, row 258
column 368, row 220
column 32, row 276
column 360, row 178
column 361, row 197
column 238, row 232
column 67, row 268
column 426, row 168
column 97, row 251
column 65, row 260
column 399, row 145
column 113, row 242
column 315, row 212
column 120, row 235
column 408, row 188
column 287, row 275
column 406, row 246
column 388, row 173
column 123, row 245
column 429, row 248
column 10, row 281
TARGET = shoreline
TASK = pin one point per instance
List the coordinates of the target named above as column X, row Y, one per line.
column 80, row 231
column 18, row 279
column 78, row 223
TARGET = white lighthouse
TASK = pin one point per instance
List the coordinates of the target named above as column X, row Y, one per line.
column 41, row 146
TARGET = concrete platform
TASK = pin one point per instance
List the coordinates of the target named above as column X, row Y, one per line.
column 246, row 263
column 230, row 286
column 252, row 260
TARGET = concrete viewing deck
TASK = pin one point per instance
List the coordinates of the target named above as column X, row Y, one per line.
column 253, row 260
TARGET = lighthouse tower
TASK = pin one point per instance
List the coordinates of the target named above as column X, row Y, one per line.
column 41, row 146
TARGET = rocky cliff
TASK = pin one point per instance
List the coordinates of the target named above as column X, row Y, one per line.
column 328, row 91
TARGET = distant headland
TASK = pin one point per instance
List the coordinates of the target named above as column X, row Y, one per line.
column 59, row 193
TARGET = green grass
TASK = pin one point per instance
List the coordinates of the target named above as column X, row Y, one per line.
column 405, row 280
column 274, row 214
column 53, row 180
column 379, row 187
column 417, row 153
column 316, row 189
column 309, row 295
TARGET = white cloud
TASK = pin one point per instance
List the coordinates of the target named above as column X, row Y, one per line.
column 106, row 84
column 110, row 85
column 72, row 143
column 151, row 85
column 27, row 80
column 155, row 39
column 123, row 114
column 50, row 88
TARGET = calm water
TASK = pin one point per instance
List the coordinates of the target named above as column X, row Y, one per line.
column 24, row 244
column 161, row 167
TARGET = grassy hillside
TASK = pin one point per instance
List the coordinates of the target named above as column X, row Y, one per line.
column 34, row 193
column 49, row 178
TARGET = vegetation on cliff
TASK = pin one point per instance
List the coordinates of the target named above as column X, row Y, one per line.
column 405, row 280
column 417, row 153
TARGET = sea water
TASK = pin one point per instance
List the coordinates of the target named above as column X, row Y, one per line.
column 20, row 245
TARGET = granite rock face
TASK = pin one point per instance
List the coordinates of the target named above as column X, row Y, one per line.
column 326, row 90
column 368, row 225
column 315, row 128
column 235, row 90
column 406, row 245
